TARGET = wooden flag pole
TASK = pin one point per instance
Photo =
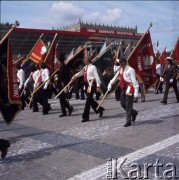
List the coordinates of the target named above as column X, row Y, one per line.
column 126, row 50
column 7, row 34
column 19, row 60
column 50, row 47
column 102, row 53
column 32, row 49
column 117, row 54
column 102, row 99
column 68, row 60
column 94, row 60
column 63, row 89
column 30, row 101
column 139, row 41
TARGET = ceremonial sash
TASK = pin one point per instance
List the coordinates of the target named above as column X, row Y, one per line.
column 123, row 83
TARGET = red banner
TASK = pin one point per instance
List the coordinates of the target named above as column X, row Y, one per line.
column 50, row 58
column 38, row 52
column 10, row 101
column 13, row 94
column 142, row 60
column 175, row 52
column 162, row 57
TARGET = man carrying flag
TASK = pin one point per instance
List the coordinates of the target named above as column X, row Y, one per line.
column 129, row 89
column 93, row 85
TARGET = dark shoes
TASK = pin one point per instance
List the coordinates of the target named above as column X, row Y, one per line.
column 134, row 117
column 85, row 119
column 45, row 113
column 62, row 115
column 4, row 145
column 101, row 113
column 70, row 111
column 163, row 102
column 36, row 110
column 127, row 124
column 4, row 153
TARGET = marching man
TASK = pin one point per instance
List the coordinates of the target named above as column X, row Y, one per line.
column 129, row 89
column 91, row 75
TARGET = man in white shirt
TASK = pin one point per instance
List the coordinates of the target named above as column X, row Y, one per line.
column 44, row 77
column 33, row 78
column 159, row 74
column 21, row 80
column 91, row 74
column 129, row 89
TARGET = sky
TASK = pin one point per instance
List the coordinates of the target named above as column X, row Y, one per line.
column 164, row 16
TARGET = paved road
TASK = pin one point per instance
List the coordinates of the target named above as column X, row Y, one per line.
column 48, row 147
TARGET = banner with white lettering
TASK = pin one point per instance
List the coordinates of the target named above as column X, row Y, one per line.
column 10, row 102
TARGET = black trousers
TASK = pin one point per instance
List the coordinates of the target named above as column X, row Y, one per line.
column 127, row 104
column 45, row 101
column 90, row 102
column 36, row 99
column 117, row 93
column 4, row 144
column 168, row 85
column 159, row 84
column 64, row 103
column 24, row 97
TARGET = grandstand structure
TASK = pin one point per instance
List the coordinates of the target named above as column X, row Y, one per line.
column 72, row 36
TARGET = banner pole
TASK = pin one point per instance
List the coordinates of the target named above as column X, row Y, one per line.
column 50, row 47
column 139, row 41
column 7, row 34
column 32, row 49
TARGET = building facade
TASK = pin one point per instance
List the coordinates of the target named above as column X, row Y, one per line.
column 73, row 36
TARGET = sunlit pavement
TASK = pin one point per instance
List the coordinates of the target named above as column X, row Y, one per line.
column 49, row 147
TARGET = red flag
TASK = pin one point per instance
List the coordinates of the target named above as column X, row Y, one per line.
column 49, row 60
column 162, row 57
column 10, row 102
column 175, row 52
column 13, row 94
column 142, row 60
column 39, row 52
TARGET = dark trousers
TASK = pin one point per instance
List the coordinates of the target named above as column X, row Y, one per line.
column 64, row 103
column 90, row 102
column 24, row 97
column 4, row 144
column 127, row 104
column 36, row 99
column 117, row 93
column 168, row 85
column 159, row 84
column 45, row 101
